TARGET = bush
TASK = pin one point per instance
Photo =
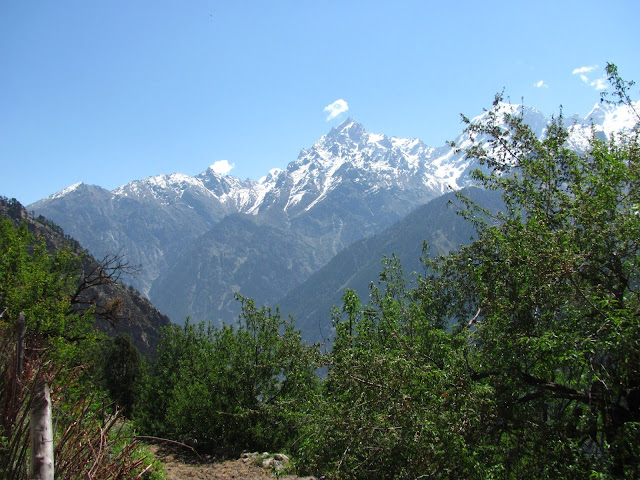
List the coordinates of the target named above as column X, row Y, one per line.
column 234, row 386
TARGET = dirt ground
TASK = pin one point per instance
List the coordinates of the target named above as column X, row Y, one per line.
column 181, row 464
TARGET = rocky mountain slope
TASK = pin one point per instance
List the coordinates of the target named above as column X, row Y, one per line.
column 437, row 223
column 134, row 314
column 200, row 239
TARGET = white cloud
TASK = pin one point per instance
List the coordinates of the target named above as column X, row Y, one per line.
column 336, row 108
column 222, row 167
column 540, row 84
column 579, row 70
column 600, row 83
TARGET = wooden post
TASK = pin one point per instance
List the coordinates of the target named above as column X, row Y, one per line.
column 41, row 433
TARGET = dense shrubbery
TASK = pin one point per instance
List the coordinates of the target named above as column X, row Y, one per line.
column 232, row 387
column 397, row 402
column 515, row 357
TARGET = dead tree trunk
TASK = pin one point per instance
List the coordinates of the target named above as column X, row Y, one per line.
column 41, row 433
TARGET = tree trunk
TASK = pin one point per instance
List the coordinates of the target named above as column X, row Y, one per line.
column 41, row 433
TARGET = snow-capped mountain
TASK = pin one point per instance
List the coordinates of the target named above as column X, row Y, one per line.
column 228, row 192
column 348, row 185
column 144, row 217
column 347, row 153
column 604, row 120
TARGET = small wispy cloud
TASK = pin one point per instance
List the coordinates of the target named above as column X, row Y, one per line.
column 598, row 83
column 579, row 70
column 222, row 167
column 540, row 84
column 336, row 108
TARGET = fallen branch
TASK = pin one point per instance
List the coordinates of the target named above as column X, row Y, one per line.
column 166, row 440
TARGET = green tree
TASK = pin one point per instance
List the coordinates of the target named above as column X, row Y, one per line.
column 397, row 402
column 123, row 372
column 59, row 342
column 241, row 386
column 554, row 279
column 41, row 284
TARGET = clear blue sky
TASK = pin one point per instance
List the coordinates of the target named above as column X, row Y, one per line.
column 106, row 92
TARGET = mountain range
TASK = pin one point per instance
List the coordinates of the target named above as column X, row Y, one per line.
column 201, row 239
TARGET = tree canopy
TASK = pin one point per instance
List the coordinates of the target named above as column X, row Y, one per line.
column 539, row 376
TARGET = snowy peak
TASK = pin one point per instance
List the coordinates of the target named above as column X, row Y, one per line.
column 221, row 185
column 367, row 162
column 604, row 120
column 613, row 118
column 65, row 191
column 531, row 116
column 351, row 139
column 349, row 154
column 80, row 191
column 165, row 188
column 271, row 176
column 348, row 132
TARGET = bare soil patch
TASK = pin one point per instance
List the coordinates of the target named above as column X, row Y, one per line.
column 181, row 464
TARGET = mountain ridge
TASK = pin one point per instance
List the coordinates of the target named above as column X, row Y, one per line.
column 358, row 266
column 348, row 185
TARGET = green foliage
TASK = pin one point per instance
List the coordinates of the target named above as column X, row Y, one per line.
column 540, row 377
column 396, row 403
column 39, row 284
column 58, row 345
column 238, row 386
column 123, row 372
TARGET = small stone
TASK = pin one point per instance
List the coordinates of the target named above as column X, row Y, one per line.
column 281, row 457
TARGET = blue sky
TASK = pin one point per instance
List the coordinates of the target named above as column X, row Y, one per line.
column 113, row 91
